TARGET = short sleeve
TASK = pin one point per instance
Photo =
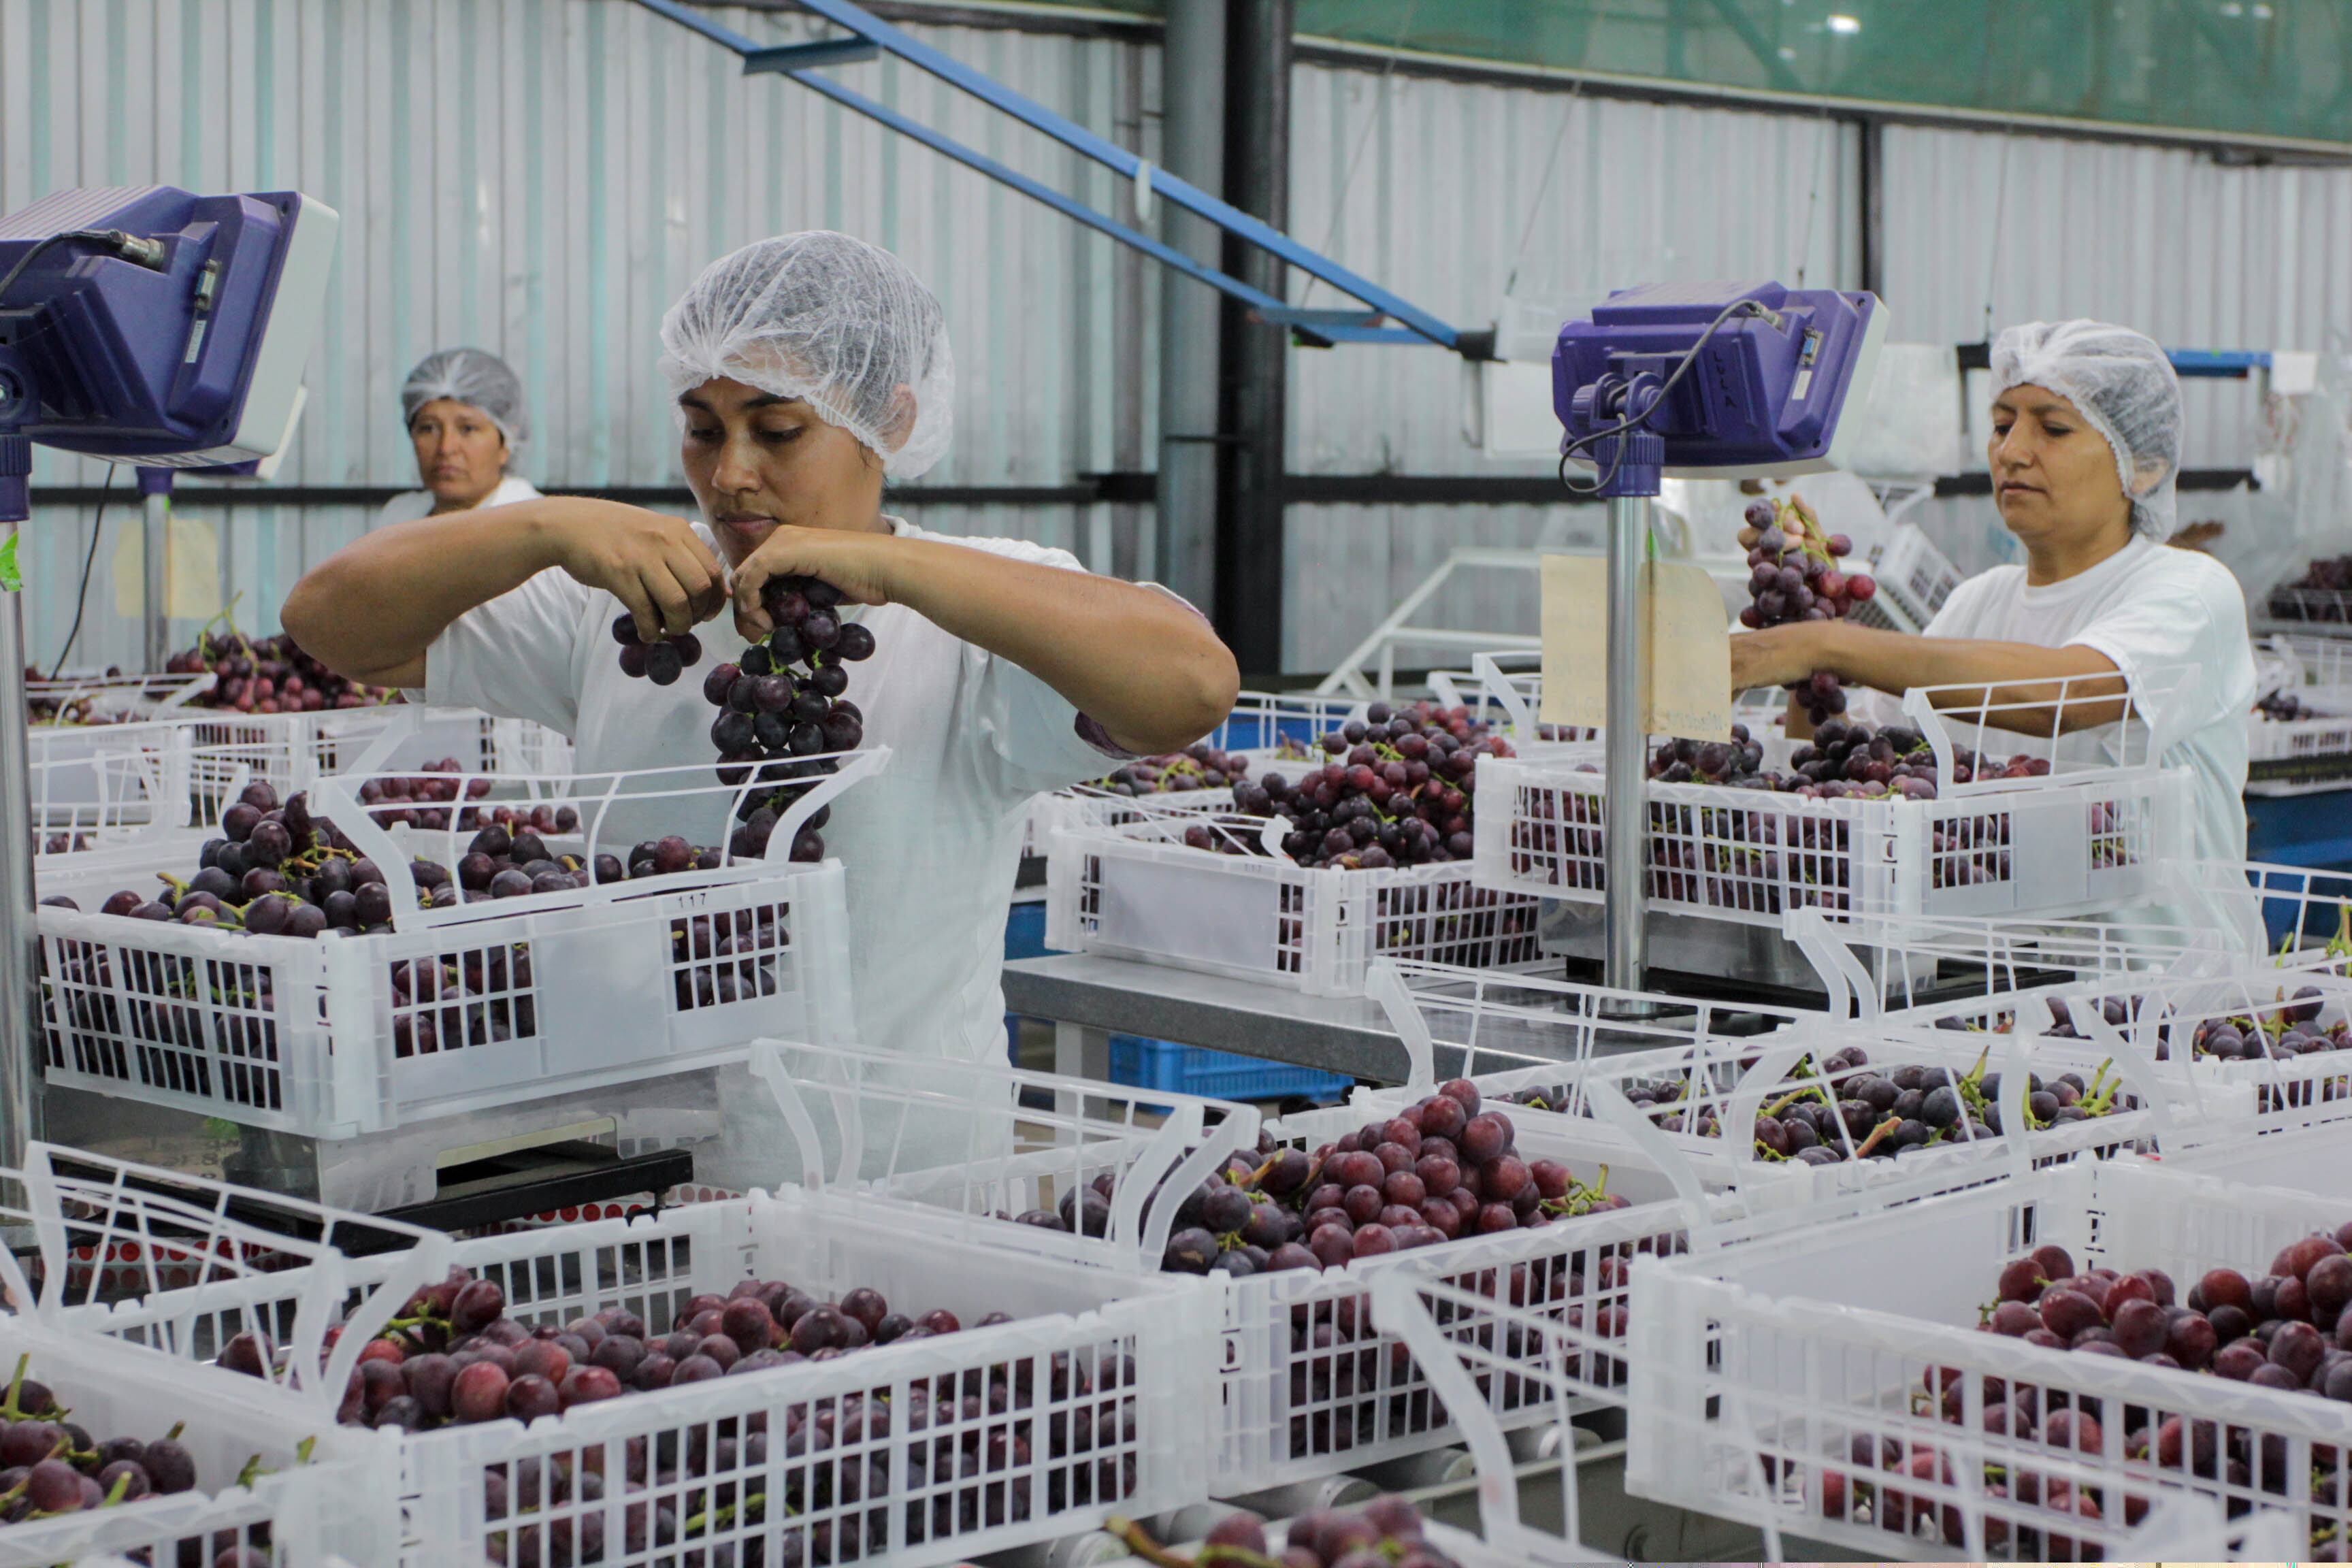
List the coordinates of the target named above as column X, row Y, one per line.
column 2191, row 617
column 515, row 655
column 1036, row 738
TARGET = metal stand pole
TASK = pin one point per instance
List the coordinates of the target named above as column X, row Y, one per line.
column 20, row 1003
column 155, row 518
column 1627, row 813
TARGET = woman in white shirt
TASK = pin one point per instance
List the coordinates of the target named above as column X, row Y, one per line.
column 807, row 369
column 464, row 412
column 2085, row 448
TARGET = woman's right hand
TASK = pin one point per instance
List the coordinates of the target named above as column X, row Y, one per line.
column 654, row 563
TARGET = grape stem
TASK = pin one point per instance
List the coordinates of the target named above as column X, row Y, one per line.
column 1878, row 1134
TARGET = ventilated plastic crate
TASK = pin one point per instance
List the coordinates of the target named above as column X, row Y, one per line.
column 108, row 1231
column 560, row 991
column 1195, row 1069
column 1287, row 1407
column 1584, row 1051
column 2084, row 836
column 1914, row 580
column 1757, row 1372
column 1139, row 890
column 1474, row 1342
column 1102, row 1413
column 2300, row 756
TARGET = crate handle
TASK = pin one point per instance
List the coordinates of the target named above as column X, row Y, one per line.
column 1385, row 984
column 1217, row 1145
column 767, row 1064
column 1608, row 1104
column 1852, row 990
column 1500, row 689
column 858, row 764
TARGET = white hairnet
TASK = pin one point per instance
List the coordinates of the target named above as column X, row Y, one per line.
column 833, row 320
column 2123, row 386
column 475, row 376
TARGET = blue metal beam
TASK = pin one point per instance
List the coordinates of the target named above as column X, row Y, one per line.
column 791, row 58
column 1417, row 325
column 2217, row 362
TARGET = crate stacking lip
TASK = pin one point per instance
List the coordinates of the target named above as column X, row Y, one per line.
column 1100, row 1411
column 1757, row 1373
column 1138, row 890
column 1576, row 1047
column 455, row 1009
column 2067, row 842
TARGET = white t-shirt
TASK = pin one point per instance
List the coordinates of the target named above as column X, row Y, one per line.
column 414, row 504
column 2150, row 608
column 929, row 847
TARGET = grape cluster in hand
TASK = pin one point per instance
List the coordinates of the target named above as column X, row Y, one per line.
column 781, row 707
column 1794, row 575
column 1384, row 1532
column 453, row 1357
column 661, row 661
column 268, row 674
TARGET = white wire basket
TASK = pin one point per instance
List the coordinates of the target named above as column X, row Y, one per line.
column 2083, row 835
column 561, row 991
column 1285, row 1407
column 1139, row 890
column 1475, row 1342
column 1757, row 1373
column 1115, row 1356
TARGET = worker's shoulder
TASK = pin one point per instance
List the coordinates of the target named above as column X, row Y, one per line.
column 2190, row 570
column 1027, row 549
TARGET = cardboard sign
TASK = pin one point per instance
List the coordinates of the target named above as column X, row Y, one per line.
column 1689, row 689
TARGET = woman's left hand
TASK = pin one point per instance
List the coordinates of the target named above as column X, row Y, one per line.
column 1777, row 656
column 856, row 563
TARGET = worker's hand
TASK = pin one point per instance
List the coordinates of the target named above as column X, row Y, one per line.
column 855, row 560
column 654, row 565
column 1778, row 655
column 1749, row 538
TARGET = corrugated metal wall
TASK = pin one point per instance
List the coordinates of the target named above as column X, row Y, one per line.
column 544, row 177
column 1984, row 230
column 1457, row 196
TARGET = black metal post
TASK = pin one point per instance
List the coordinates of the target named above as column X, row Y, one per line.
column 1254, row 384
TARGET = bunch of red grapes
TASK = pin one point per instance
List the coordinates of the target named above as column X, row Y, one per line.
column 1384, row 1532
column 50, row 1466
column 2284, row 707
column 1794, row 575
column 2287, row 1330
column 452, row 1357
column 1396, row 790
column 782, row 706
column 268, row 675
column 2318, row 594
column 1199, row 766
column 661, row 661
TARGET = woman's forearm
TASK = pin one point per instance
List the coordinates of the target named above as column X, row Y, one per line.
column 2015, row 683
column 370, row 611
column 1140, row 663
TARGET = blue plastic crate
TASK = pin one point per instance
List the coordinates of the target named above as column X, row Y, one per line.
column 1218, row 1074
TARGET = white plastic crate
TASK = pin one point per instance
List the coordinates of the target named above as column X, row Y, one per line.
column 112, row 698
column 1475, row 1342
column 107, row 1229
column 1914, row 580
column 1510, row 1033
column 2089, row 834
column 2296, row 662
column 565, row 991
column 1756, row 1371
column 1141, row 1343
column 1138, row 890
column 2298, row 756
column 1287, row 1408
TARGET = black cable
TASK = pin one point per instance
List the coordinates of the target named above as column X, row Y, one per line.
column 1690, row 357
column 81, row 595
column 147, row 253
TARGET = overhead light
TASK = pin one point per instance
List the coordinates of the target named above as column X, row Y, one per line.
column 1839, row 23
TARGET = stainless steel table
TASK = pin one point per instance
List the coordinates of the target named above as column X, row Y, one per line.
column 1088, row 999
